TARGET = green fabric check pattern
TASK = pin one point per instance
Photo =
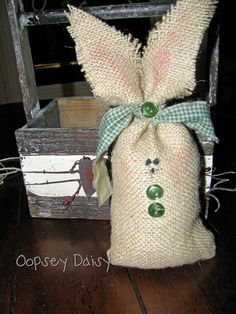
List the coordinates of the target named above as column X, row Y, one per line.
column 195, row 115
column 113, row 122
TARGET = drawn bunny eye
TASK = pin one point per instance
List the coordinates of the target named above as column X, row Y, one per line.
column 156, row 161
column 148, row 162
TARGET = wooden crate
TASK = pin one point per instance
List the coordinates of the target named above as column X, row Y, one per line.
column 51, row 143
column 67, row 129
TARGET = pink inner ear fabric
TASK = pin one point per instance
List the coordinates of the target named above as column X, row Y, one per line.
column 169, row 59
column 109, row 58
column 115, row 69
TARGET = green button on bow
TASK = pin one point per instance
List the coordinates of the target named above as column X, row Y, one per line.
column 149, row 109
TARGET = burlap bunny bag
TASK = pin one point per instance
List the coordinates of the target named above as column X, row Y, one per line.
column 155, row 161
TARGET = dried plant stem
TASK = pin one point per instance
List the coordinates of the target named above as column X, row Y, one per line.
column 7, row 171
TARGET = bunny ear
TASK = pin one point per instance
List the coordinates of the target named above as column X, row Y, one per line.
column 169, row 59
column 109, row 58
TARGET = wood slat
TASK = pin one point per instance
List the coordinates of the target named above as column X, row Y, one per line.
column 79, row 289
column 214, row 36
column 206, row 287
column 67, row 141
column 23, row 59
column 171, row 291
column 9, row 204
column 9, row 82
column 57, row 141
column 53, row 91
column 45, row 118
column 108, row 12
column 81, row 207
column 80, row 112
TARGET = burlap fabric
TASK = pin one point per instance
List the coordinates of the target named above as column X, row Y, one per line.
column 178, row 237
column 120, row 75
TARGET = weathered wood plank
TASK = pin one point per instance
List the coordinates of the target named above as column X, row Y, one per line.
column 52, row 91
column 82, row 112
column 206, row 146
column 23, row 59
column 9, row 82
column 10, row 194
column 69, row 112
column 67, row 141
column 108, row 12
column 46, row 118
column 57, row 141
column 82, row 287
column 214, row 61
column 55, row 207
column 175, row 290
column 205, row 287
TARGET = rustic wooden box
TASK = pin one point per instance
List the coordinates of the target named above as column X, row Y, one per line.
column 67, row 129
column 57, row 137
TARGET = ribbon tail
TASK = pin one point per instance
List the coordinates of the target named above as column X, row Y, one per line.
column 113, row 122
column 102, row 181
column 195, row 115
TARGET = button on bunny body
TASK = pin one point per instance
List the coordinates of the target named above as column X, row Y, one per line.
column 155, row 161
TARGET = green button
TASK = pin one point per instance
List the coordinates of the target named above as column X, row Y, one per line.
column 154, row 192
column 149, row 109
column 156, row 210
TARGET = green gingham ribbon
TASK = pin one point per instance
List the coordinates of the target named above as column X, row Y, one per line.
column 195, row 115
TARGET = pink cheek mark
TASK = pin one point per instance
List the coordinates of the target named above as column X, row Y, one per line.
column 178, row 164
column 127, row 162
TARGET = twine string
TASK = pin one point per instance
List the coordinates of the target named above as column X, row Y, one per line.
column 7, row 171
column 218, row 177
